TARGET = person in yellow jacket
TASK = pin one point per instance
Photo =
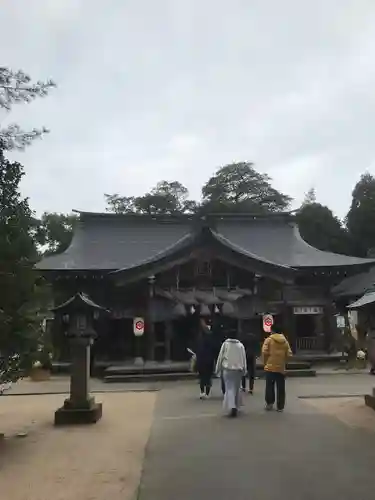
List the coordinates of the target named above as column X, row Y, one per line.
column 275, row 352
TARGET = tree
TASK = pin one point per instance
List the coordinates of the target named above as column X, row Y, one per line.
column 239, row 187
column 310, row 197
column 18, row 326
column 119, row 204
column 320, row 228
column 165, row 198
column 54, row 232
column 360, row 219
column 15, row 87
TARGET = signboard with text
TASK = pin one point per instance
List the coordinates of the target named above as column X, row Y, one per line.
column 308, row 310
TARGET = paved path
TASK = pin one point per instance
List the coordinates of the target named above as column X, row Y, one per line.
column 194, row 452
column 335, row 383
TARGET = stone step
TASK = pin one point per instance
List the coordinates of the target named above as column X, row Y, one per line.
column 179, row 368
column 149, row 377
column 159, row 377
column 157, row 368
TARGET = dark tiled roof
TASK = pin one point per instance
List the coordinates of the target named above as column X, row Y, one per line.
column 365, row 300
column 112, row 242
column 356, row 285
column 280, row 242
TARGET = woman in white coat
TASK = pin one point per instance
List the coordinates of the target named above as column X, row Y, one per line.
column 231, row 364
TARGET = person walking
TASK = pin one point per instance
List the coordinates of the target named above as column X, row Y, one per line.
column 275, row 351
column 231, row 365
column 205, row 359
column 371, row 349
column 250, row 343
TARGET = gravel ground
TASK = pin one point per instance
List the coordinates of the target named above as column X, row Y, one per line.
column 350, row 411
column 95, row 462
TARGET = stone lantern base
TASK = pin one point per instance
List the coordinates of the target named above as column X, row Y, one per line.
column 88, row 412
column 370, row 399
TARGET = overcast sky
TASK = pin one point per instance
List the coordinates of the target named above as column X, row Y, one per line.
column 173, row 89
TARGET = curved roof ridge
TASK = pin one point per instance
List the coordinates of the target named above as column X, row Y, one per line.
column 131, row 215
column 74, row 243
column 187, row 238
column 351, row 259
column 222, row 239
column 174, row 216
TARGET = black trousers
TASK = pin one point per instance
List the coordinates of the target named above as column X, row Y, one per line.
column 205, row 380
column 250, row 374
column 275, row 379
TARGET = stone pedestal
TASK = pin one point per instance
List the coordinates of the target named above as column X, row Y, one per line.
column 71, row 415
column 370, row 400
column 80, row 408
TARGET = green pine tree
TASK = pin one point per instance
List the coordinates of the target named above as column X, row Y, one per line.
column 19, row 327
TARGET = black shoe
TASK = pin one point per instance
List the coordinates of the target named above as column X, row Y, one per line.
column 233, row 412
column 280, row 410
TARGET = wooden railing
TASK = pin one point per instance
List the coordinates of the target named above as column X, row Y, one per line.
column 309, row 344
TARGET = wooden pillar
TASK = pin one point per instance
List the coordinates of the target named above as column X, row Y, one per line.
column 168, row 341
column 151, row 340
column 239, row 327
column 151, row 324
column 329, row 327
column 288, row 317
column 289, row 326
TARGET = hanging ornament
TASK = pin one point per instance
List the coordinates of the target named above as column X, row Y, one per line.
column 216, row 309
column 227, row 309
column 179, row 310
column 192, row 309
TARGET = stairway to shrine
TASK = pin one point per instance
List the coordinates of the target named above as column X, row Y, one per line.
column 180, row 371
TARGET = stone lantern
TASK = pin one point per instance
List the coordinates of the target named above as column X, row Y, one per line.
column 79, row 313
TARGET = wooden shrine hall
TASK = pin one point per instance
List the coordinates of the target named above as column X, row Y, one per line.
column 172, row 270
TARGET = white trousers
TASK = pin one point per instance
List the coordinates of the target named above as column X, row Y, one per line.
column 232, row 397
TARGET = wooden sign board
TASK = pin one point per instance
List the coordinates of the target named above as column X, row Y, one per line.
column 308, row 310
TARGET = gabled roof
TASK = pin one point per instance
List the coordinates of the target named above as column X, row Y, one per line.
column 79, row 298
column 111, row 242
